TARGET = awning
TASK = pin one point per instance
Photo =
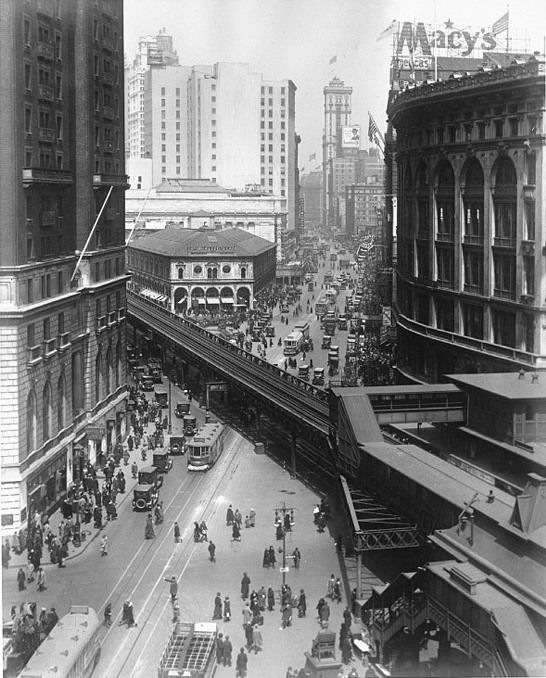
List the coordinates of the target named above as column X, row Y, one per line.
column 199, row 300
column 213, row 300
column 226, row 300
column 163, row 298
column 146, row 293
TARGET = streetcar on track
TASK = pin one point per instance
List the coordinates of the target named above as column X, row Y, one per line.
column 71, row 649
column 206, row 446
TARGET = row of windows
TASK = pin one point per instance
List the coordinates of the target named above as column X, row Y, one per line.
column 270, row 90
column 270, row 113
column 469, row 131
column 270, row 124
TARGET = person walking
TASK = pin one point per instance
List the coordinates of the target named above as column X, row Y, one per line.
column 227, row 609
column 149, row 528
column 245, row 586
column 21, row 579
column 229, row 515
column 296, row 555
column 228, row 649
column 270, row 599
column 286, row 615
column 252, row 517
column 247, row 615
column 330, row 585
column 217, row 614
column 265, row 559
column 104, row 545
column 40, row 579
column 235, row 532
column 324, row 614
column 302, row 604
column 257, row 639
column 241, row 664
column 337, row 590
column 173, row 587
column 176, row 534
column 220, row 643
column 212, row 551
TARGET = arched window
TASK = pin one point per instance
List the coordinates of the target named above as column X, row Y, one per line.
column 504, row 242
column 473, row 205
column 445, row 200
column 98, row 378
column 31, row 422
column 212, row 272
column 46, row 413
column 180, row 272
column 61, row 403
column 505, row 200
column 243, row 272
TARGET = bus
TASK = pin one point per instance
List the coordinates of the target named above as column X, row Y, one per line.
column 321, row 306
column 293, row 343
column 72, row 648
column 206, row 446
column 331, row 295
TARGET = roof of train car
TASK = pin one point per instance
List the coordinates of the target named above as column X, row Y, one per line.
column 207, row 431
column 53, row 656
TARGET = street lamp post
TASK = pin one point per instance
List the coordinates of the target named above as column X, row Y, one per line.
column 284, row 510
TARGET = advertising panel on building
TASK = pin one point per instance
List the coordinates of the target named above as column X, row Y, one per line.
column 350, row 136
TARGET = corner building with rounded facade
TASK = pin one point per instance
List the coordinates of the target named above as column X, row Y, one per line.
column 471, row 269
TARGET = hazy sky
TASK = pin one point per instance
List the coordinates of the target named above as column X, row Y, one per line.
column 296, row 39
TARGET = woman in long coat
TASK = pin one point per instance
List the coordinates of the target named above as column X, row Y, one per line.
column 149, row 529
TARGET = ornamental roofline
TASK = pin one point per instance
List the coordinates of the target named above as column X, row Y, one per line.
column 458, row 81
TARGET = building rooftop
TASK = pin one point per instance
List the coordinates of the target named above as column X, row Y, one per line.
column 185, row 242
column 509, row 385
column 189, row 186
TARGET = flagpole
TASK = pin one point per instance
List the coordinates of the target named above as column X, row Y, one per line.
column 508, row 29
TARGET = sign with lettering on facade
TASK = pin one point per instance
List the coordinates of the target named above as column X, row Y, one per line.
column 420, row 39
column 95, row 432
column 350, row 136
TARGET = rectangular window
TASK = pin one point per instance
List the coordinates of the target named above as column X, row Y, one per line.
column 473, row 271
column 30, row 294
column 504, row 328
column 529, row 276
column 481, row 131
column 31, row 334
column 445, row 260
column 162, row 91
column 505, row 220
column 499, row 125
column 529, row 216
column 473, row 321
column 514, row 127
column 28, row 120
column 505, row 275
column 47, row 328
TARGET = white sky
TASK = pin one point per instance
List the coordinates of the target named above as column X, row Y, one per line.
column 296, row 39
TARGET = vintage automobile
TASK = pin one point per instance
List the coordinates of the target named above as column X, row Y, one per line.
column 161, row 460
column 303, row 372
column 149, row 475
column 147, row 382
column 177, row 445
column 270, row 331
column 189, row 424
column 182, row 408
column 326, row 341
column 144, row 497
column 318, row 376
column 161, row 397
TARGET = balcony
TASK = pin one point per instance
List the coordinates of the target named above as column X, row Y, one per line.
column 108, row 112
column 112, row 318
column 50, row 347
column 444, row 237
column 504, row 294
column 121, row 314
column 108, row 77
column 46, row 93
column 471, row 239
column 505, row 243
column 34, row 355
column 110, row 180
column 473, row 289
column 108, row 147
column 528, row 248
column 100, row 324
column 46, row 134
column 46, row 176
column 64, row 341
column 45, row 50
column 48, row 218
column 527, row 299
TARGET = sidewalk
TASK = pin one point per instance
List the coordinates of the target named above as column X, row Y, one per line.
column 261, row 484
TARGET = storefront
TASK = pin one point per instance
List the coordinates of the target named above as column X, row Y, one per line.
column 48, row 486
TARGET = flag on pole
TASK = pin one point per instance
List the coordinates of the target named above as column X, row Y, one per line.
column 388, row 31
column 500, row 25
column 373, row 130
column 333, row 60
column 313, row 156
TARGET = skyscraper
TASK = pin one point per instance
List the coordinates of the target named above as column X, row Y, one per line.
column 62, row 380
column 337, row 114
column 220, row 122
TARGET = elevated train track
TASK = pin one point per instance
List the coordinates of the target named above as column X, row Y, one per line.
column 297, row 399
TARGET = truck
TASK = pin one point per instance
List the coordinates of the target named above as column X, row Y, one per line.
column 329, row 322
column 293, row 343
column 190, row 651
column 302, row 327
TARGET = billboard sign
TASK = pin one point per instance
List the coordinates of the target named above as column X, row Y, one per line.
column 420, row 39
column 350, row 137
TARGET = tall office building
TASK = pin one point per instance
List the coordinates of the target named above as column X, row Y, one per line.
column 62, row 377
column 151, row 51
column 337, row 114
column 220, row 122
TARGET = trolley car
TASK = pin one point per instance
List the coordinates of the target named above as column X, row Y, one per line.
column 206, row 446
column 71, row 649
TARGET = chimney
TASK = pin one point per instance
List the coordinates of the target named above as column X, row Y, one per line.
column 530, row 508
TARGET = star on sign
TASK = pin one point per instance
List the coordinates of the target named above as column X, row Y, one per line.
column 448, row 24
